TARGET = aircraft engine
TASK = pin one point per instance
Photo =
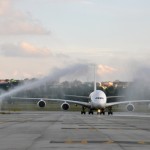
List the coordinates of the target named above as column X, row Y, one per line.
column 41, row 103
column 65, row 106
column 130, row 107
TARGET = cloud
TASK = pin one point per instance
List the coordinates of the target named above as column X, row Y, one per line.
column 105, row 70
column 4, row 6
column 25, row 74
column 20, row 74
column 24, row 49
column 16, row 22
column 2, row 74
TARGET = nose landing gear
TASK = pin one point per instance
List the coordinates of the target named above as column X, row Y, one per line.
column 98, row 112
column 101, row 111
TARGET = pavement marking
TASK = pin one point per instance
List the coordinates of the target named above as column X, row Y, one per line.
column 84, row 141
column 91, row 129
column 2, row 122
column 141, row 142
column 68, row 141
column 109, row 142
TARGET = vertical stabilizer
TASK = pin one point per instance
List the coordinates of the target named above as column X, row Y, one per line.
column 94, row 77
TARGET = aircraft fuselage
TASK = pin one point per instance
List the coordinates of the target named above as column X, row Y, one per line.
column 98, row 99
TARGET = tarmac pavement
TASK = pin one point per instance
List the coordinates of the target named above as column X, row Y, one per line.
column 71, row 130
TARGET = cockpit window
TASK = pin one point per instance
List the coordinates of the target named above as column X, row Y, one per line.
column 99, row 98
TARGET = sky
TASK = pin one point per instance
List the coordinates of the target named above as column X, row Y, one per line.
column 37, row 36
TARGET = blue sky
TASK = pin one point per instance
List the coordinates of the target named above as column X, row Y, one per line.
column 39, row 35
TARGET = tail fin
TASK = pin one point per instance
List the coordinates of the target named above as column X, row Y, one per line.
column 95, row 78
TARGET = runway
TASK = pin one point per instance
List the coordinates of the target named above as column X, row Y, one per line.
column 70, row 130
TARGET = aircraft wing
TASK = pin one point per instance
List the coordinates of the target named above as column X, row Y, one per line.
column 70, row 101
column 126, row 102
column 114, row 97
column 87, row 97
column 85, row 104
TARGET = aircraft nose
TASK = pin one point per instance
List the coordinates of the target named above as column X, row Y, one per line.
column 98, row 103
column 102, row 102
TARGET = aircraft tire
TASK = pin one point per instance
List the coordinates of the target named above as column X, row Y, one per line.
column 110, row 113
column 83, row 112
column 91, row 112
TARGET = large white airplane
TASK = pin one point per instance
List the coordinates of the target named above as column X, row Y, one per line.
column 97, row 101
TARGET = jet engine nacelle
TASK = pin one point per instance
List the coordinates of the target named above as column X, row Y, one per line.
column 41, row 103
column 65, row 106
column 130, row 107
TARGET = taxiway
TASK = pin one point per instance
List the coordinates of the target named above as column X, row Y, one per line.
column 70, row 130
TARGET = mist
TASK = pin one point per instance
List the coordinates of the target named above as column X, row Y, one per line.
column 140, row 87
column 72, row 71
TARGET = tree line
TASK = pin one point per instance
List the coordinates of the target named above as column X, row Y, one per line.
column 57, row 89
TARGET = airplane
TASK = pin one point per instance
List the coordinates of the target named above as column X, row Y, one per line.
column 97, row 101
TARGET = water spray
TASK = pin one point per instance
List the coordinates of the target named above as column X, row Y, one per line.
column 57, row 74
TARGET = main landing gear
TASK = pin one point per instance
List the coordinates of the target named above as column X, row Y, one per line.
column 91, row 112
column 110, row 111
column 99, row 111
column 83, row 111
